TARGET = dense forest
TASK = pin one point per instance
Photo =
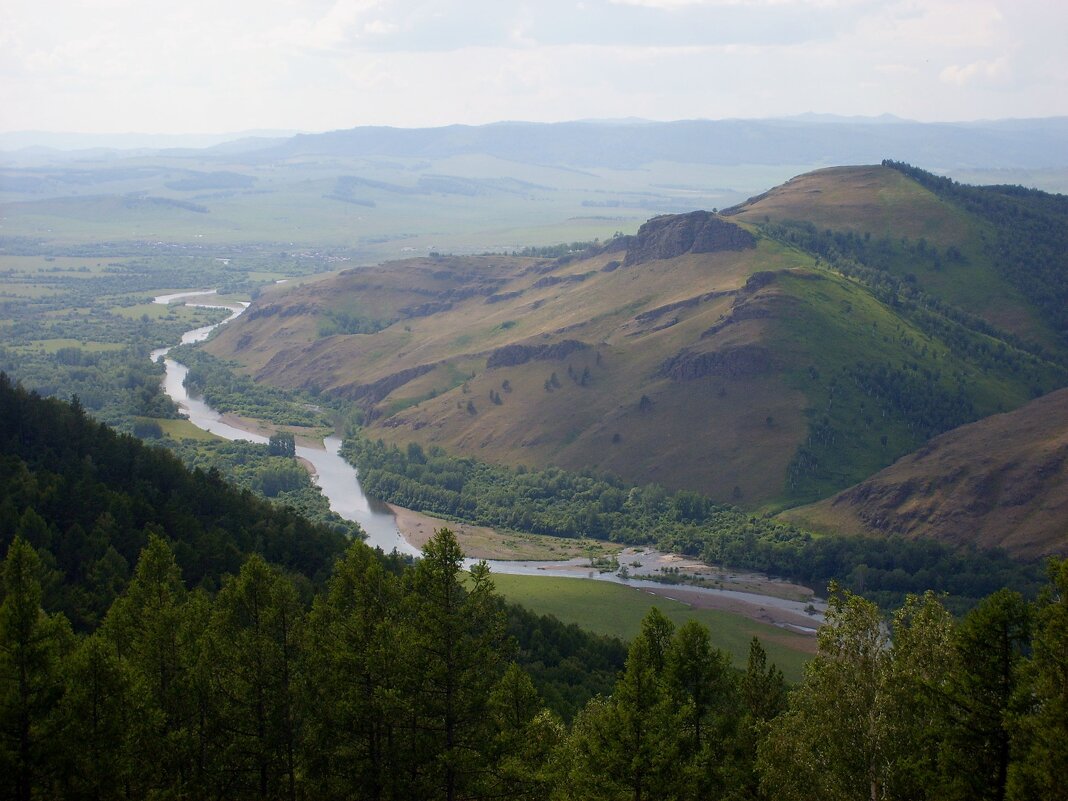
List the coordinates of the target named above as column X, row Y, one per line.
column 89, row 498
column 1031, row 239
column 278, row 662
column 569, row 504
column 279, row 478
column 402, row 683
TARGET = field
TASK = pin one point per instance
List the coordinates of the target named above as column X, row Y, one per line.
column 396, row 207
column 617, row 611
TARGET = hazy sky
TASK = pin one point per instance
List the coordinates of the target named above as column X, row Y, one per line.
column 186, row 66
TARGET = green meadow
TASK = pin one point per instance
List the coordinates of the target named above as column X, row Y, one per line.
column 617, row 611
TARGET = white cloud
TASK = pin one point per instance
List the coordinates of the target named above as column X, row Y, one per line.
column 896, row 70
column 997, row 70
column 202, row 65
column 936, row 24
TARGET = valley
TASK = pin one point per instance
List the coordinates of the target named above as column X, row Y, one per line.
column 633, row 357
column 802, row 451
column 740, row 599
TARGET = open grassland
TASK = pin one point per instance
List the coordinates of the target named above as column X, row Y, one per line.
column 396, row 207
column 157, row 311
column 66, row 266
column 12, row 289
column 616, row 610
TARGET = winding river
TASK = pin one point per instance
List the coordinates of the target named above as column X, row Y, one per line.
column 339, row 482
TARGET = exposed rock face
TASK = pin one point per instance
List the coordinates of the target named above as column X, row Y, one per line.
column 696, row 300
column 751, row 304
column 553, row 280
column 672, row 235
column 283, row 310
column 512, row 355
column 747, row 360
column 425, row 309
column 369, row 394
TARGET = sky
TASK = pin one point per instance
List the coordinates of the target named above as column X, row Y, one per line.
column 208, row 66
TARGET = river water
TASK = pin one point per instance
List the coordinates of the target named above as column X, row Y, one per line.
column 340, row 483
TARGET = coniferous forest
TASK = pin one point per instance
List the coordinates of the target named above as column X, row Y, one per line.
column 312, row 669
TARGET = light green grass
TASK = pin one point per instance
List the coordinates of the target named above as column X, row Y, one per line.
column 183, row 429
column 617, row 611
column 53, row 345
column 12, row 289
column 65, row 266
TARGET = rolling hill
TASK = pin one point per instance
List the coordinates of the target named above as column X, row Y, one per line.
column 1001, row 482
column 763, row 358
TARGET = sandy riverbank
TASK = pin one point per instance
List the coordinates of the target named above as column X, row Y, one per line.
column 482, row 542
column 309, row 440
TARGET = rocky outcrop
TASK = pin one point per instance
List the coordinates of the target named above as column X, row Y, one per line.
column 669, row 236
column 553, row 280
column 740, row 362
column 426, row 309
column 283, row 310
column 751, row 304
column 653, row 314
column 370, row 394
column 516, row 354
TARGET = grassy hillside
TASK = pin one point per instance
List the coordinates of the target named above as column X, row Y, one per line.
column 999, row 483
column 909, row 231
column 755, row 359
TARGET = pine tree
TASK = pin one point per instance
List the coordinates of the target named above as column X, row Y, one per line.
column 630, row 743
column 352, row 682
column 32, row 645
column 145, row 625
column 991, row 641
column 252, row 650
column 455, row 655
column 1041, row 732
column 702, row 696
column 95, row 723
column 527, row 735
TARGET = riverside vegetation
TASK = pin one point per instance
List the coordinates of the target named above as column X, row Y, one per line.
column 348, row 673
column 570, row 504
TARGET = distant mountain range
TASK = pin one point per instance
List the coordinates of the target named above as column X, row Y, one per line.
column 999, row 144
column 808, row 139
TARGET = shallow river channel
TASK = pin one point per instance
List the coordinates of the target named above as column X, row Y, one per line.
column 339, row 482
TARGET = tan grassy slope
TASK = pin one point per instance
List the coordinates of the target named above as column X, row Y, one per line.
column 1000, row 482
column 699, row 354
column 469, row 327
